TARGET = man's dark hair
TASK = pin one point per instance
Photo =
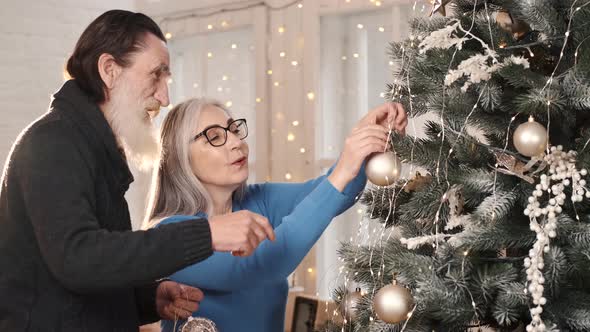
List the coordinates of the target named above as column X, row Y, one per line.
column 119, row 33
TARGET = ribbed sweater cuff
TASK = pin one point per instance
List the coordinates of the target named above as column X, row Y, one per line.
column 196, row 238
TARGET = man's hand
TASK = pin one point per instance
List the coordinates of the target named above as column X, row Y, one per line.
column 239, row 232
column 177, row 301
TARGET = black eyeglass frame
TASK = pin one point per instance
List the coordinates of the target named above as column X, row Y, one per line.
column 204, row 132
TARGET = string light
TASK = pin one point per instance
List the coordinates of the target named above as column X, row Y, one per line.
column 229, row 103
column 310, row 96
column 224, row 78
column 281, row 29
column 258, row 100
column 381, row 29
column 344, row 58
column 276, row 83
column 302, row 150
column 234, row 46
column 195, row 85
column 310, row 270
column 224, row 24
column 170, row 81
column 269, row 72
column 282, row 54
column 294, row 63
column 170, row 106
column 209, row 27
column 209, row 54
column 295, row 123
column 290, row 137
column 219, row 88
column 288, row 176
column 300, row 6
column 360, row 26
column 378, row 3
column 356, row 55
column 168, row 35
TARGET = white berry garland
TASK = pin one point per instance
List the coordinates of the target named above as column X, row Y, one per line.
column 563, row 173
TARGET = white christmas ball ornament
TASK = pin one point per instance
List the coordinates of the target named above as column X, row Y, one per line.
column 383, row 169
column 530, row 138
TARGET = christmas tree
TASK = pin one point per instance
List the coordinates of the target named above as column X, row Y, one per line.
column 492, row 229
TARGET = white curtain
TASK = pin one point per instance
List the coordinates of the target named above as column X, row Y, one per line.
column 217, row 65
column 355, row 68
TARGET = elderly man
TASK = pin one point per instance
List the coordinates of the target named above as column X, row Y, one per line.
column 68, row 257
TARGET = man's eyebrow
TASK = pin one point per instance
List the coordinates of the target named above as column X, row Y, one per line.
column 230, row 120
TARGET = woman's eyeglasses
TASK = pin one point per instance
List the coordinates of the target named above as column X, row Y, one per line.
column 217, row 135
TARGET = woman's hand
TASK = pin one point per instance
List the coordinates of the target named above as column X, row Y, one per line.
column 370, row 135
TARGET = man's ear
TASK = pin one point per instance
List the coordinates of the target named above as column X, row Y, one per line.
column 108, row 69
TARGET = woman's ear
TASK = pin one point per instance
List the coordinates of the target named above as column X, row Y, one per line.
column 108, row 69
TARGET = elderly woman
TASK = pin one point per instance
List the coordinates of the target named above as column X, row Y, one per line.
column 203, row 172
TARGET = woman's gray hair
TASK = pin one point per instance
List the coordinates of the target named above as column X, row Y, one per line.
column 175, row 189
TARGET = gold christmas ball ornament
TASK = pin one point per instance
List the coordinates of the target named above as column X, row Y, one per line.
column 348, row 306
column 393, row 303
column 383, row 169
column 530, row 138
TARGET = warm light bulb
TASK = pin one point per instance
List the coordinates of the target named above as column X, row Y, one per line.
column 168, row 35
column 356, row 55
column 288, row 176
column 228, row 104
column 300, row 6
column 302, row 150
column 258, row 100
column 295, row 123
column 282, row 54
column 281, row 29
column 294, row 63
column 381, row 29
column 224, row 78
column 269, row 71
column 310, row 96
column 360, row 26
column 290, row 137
column 209, row 27
column 209, row 54
column 234, row 46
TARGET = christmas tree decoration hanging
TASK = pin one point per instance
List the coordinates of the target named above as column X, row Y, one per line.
column 543, row 221
column 507, row 22
column 348, row 306
column 530, row 138
column 198, row 325
column 383, row 169
column 393, row 303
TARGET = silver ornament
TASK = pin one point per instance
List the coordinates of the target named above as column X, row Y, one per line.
column 348, row 306
column 383, row 169
column 530, row 138
column 198, row 325
column 393, row 303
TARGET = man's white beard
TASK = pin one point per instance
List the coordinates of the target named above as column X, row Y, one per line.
column 134, row 129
